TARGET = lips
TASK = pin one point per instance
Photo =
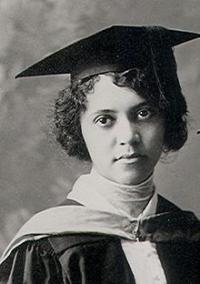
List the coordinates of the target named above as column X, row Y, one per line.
column 129, row 157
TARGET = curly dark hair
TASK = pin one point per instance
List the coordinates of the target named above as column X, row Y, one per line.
column 170, row 102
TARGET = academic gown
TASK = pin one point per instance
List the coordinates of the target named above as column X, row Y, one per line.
column 95, row 258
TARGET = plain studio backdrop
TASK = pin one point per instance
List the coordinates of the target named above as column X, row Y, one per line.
column 34, row 172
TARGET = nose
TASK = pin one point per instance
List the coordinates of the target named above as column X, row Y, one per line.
column 127, row 133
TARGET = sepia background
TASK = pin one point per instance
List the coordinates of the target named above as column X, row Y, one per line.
column 34, row 172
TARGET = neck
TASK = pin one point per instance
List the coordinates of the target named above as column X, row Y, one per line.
column 128, row 199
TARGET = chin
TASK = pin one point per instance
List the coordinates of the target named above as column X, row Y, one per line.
column 129, row 179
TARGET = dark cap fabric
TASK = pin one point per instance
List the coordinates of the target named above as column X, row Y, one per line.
column 116, row 48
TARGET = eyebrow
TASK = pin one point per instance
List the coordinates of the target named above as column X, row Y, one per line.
column 104, row 111
column 133, row 108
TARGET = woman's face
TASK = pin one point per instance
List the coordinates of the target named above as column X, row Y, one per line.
column 123, row 133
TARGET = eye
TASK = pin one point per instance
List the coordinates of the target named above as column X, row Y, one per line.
column 145, row 114
column 104, row 121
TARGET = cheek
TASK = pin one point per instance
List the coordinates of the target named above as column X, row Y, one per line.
column 98, row 146
column 94, row 141
column 153, row 138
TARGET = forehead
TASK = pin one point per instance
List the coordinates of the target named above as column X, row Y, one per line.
column 107, row 95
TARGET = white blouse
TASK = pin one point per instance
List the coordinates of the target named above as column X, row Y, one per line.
column 144, row 262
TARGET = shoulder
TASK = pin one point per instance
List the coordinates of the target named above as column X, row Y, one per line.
column 71, row 218
column 39, row 226
column 165, row 205
column 181, row 222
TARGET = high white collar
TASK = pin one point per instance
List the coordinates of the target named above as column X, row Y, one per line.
column 97, row 192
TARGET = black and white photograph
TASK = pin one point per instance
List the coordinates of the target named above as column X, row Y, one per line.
column 99, row 142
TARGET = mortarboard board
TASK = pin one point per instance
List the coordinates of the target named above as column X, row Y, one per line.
column 116, row 48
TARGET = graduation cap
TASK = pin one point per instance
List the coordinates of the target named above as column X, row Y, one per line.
column 114, row 49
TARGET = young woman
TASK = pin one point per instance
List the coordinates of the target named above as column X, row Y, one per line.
column 123, row 109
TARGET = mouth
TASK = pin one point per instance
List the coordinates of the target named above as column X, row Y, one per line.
column 129, row 158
